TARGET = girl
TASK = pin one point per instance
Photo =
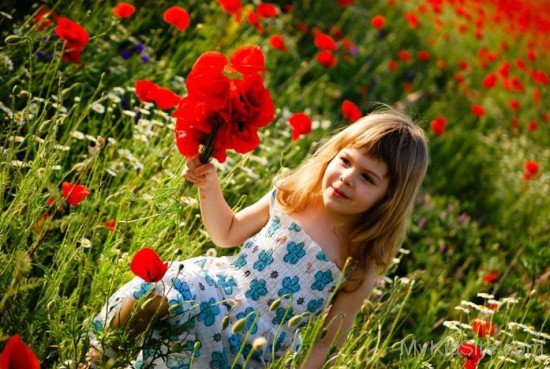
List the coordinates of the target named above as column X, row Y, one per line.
column 349, row 201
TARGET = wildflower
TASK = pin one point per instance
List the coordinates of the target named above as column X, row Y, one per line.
column 492, row 276
column 531, row 168
column 514, row 104
column 378, row 21
column 392, row 66
column 75, row 38
column 266, row 10
column 111, row 225
column 533, row 125
column 259, row 343
column 345, row 3
column 489, row 81
column 438, row 125
column 277, row 42
column 301, row 124
column 412, row 20
column 464, row 65
column 253, row 19
column 233, row 7
column 44, row 18
column 470, row 352
column 423, row 55
column 478, row 110
column 404, row 55
column 147, row 265
column 483, row 328
column 74, row 194
column 327, row 59
column 351, row 111
column 177, row 17
column 148, row 91
column 324, row 41
column 17, row 355
column 123, row 10
column 538, row 76
column 459, row 78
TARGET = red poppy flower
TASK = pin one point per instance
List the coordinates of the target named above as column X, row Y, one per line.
column 123, row 10
column 327, row 59
column 253, row 19
column 351, row 111
column 148, row 91
column 470, row 351
column 483, row 328
column 324, row 42
column 504, row 69
column 438, row 125
column 50, row 201
column 248, row 59
column 177, row 17
column 404, row 55
column 147, row 265
column 252, row 104
column 73, row 193
column 378, row 21
column 463, row 64
column 233, row 7
column 301, row 124
column 531, row 55
column 489, row 81
column 531, row 169
column 74, row 36
column 277, row 42
column 533, row 125
column 412, row 20
column 514, row 122
column 514, row 104
column 345, row 3
column 538, row 76
column 392, row 65
column 423, row 55
column 110, row 225
column 478, row 110
column 459, row 78
column 492, row 276
column 470, row 364
column 266, row 10
column 37, row 226
column 44, row 18
column 206, row 80
column 441, row 64
column 17, row 355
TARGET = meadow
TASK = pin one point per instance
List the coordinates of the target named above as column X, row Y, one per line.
column 90, row 172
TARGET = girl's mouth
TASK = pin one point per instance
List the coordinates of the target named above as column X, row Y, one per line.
column 338, row 194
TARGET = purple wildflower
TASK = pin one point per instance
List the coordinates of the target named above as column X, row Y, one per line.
column 126, row 54
column 140, row 47
column 144, row 58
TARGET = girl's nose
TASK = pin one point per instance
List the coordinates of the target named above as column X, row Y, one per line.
column 347, row 177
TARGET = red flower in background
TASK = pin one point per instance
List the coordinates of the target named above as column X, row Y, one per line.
column 327, row 59
column 110, row 225
column 404, row 55
column 266, row 10
column 538, row 76
column 324, row 41
column 392, row 66
column 345, row 3
column 483, row 328
column 147, row 265
column 514, row 104
column 412, row 20
column 73, row 193
column 74, row 36
column 492, row 276
column 531, row 168
column 44, row 18
column 177, row 17
column 277, row 42
column 253, row 19
column 148, row 91
column 378, row 21
column 533, row 125
column 233, row 7
column 489, row 81
column 123, row 10
column 17, row 355
column 351, row 111
column 301, row 125
column 423, row 55
column 470, row 352
column 438, row 125
column 478, row 110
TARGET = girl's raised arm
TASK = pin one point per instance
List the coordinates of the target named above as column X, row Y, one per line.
column 225, row 228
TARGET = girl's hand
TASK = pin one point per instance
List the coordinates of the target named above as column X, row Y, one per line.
column 204, row 176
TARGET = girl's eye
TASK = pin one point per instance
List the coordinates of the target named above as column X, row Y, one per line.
column 345, row 161
column 367, row 178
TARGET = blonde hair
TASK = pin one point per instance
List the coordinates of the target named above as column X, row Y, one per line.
column 377, row 234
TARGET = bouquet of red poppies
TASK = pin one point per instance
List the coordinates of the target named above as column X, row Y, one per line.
column 225, row 105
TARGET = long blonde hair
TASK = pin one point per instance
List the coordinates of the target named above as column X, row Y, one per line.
column 377, row 234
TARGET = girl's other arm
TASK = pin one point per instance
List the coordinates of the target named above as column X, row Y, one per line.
column 225, row 228
column 339, row 321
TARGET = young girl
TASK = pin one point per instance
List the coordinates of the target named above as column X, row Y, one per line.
column 351, row 199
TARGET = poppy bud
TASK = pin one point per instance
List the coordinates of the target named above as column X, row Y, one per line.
column 239, row 325
column 225, row 322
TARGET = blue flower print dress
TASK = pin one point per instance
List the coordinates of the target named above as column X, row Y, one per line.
column 280, row 262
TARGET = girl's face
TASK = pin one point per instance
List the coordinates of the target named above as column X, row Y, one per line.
column 353, row 183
